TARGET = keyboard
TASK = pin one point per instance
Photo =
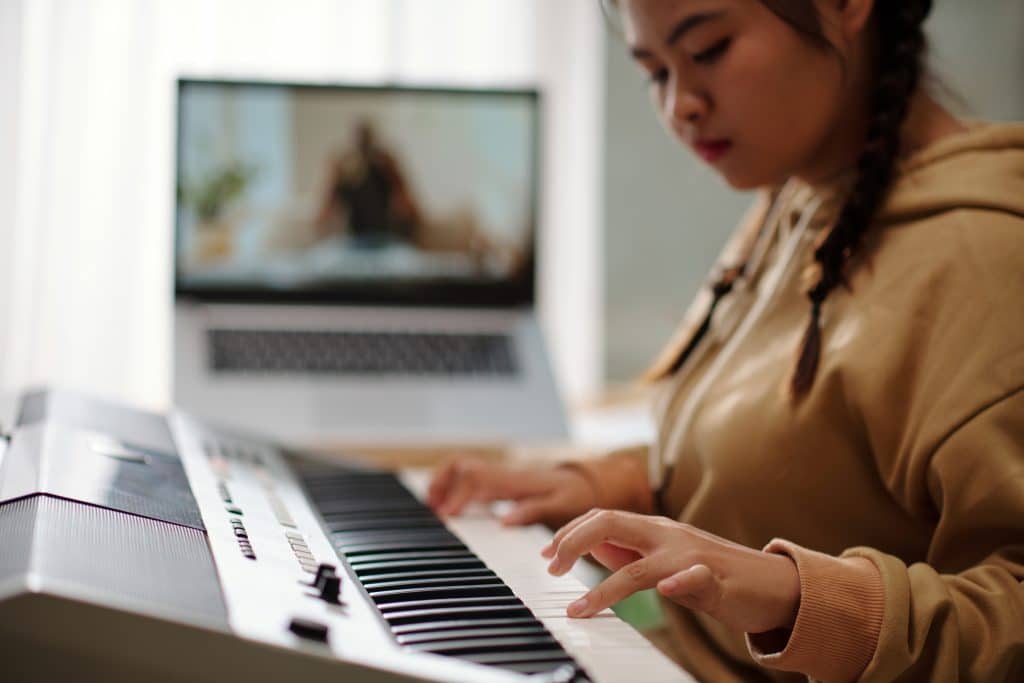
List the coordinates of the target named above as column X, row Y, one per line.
column 157, row 547
column 368, row 353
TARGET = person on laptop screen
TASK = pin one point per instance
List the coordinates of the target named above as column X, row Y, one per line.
column 850, row 382
column 368, row 195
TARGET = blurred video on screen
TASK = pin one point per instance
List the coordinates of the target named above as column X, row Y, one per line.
column 291, row 187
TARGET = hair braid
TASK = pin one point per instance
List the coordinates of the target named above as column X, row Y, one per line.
column 901, row 48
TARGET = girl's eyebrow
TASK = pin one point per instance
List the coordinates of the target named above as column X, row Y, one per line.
column 679, row 30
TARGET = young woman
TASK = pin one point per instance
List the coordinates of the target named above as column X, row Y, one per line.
column 837, row 488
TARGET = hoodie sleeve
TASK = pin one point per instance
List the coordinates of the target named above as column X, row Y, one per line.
column 959, row 616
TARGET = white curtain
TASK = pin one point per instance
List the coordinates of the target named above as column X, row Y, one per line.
column 86, row 156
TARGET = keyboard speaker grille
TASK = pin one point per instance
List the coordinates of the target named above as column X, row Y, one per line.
column 110, row 554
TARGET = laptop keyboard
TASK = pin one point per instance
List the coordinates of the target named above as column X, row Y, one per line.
column 375, row 353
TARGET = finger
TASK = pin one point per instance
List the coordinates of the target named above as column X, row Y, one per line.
column 529, row 511
column 549, row 549
column 635, row 576
column 621, row 528
column 613, row 557
column 695, row 587
column 440, row 483
column 462, row 491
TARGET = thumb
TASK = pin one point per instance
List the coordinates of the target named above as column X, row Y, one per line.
column 697, row 588
column 527, row 512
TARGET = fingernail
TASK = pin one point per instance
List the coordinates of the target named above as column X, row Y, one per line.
column 669, row 585
column 546, row 550
column 577, row 608
column 553, row 567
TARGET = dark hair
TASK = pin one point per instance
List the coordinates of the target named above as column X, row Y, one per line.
column 899, row 65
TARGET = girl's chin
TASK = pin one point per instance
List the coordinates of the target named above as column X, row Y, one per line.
column 741, row 182
column 747, row 179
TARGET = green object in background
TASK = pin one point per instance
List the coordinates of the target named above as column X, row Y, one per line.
column 642, row 610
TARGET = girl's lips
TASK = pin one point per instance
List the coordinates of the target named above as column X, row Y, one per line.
column 712, row 151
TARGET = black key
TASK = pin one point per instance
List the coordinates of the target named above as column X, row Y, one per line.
column 466, row 646
column 456, row 623
column 434, row 636
column 498, row 658
column 475, row 612
column 371, row 568
column 358, row 550
column 495, row 587
column 496, row 600
column 421, row 512
column 382, row 597
column 432, row 573
column 347, row 538
column 382, row 525
column 412, row 555
column 456, row 581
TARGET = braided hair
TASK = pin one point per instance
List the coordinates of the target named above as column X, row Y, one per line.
column 901, row 47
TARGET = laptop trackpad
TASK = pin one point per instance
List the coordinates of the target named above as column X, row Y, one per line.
column 373, row 412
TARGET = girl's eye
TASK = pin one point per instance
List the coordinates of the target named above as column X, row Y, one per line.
column 658, row 76
column 712, row 54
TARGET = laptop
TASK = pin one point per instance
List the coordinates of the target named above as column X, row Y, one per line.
column 356, row 264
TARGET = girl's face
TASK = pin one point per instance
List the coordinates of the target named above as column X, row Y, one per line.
column 745, row 91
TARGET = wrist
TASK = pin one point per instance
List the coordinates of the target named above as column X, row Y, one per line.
column 790, row 591
column 589, row 478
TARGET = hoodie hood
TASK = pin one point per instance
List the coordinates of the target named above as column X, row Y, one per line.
column 980, row 168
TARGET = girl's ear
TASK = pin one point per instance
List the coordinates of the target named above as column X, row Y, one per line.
column 854, row 15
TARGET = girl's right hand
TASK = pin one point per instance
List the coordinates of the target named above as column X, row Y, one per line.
column 552, row 495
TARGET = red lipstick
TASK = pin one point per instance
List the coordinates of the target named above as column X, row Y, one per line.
column 712, row 150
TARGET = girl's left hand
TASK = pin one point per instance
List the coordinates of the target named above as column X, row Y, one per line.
column 745, row 589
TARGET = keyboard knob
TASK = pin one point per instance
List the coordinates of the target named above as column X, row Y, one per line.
column 322, row 572
column 309, row 629
column 331, row 589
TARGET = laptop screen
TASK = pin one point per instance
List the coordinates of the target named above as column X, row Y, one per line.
column 355, row 194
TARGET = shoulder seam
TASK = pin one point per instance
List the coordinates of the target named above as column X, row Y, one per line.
column 980, row 410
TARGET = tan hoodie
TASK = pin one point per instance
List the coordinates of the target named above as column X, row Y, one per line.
column 898, row 481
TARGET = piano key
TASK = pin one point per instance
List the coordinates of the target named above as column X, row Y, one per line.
column 431, row 573
column 479, row 612
column 357, row 549
column 510, row 657
column 409, row 605
column 467, row 646
column 445, row 624
column 346, row 538
column 431, row 636
column 371, row 568
column 381, row 525
column 411, row 554
column 438, row 592
column 459, row 581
